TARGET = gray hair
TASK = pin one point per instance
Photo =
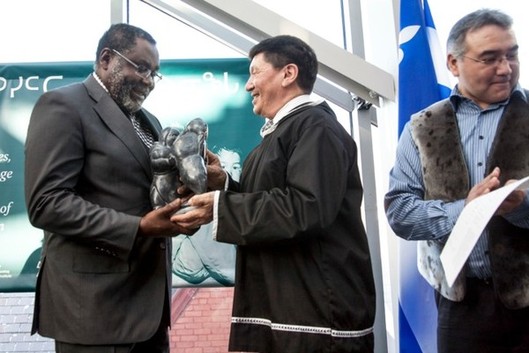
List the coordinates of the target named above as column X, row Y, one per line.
column 455, row 44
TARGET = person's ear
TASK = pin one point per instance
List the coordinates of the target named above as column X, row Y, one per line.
column 290, row 74
column 452, row 64
column 104, row 58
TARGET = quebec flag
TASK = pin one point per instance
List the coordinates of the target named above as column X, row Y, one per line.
column 423, row 80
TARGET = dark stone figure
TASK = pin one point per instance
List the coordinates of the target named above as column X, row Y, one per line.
column 199, row 127
column 178, row 159
column 166, row 176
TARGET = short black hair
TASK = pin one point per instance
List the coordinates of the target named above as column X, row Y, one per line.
column 285, row 49
column 122, row 37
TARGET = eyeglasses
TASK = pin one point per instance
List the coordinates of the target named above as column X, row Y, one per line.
column 495, row 61
column 141, row 70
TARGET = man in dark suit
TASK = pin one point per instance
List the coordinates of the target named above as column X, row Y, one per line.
column 104, row 281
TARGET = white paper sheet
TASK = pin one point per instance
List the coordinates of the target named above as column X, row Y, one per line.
column 470, row 225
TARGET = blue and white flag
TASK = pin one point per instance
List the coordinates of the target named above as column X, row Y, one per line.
column 423, row 80
column 423, row 76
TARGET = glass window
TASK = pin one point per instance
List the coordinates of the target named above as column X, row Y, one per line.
column 175, row 39
column 52, row 30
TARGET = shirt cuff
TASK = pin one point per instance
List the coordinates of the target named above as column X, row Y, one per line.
column 215, row 214
column 227, row 182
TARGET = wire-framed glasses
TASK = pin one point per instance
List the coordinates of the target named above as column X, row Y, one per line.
column 495, row 60
column 141, row 70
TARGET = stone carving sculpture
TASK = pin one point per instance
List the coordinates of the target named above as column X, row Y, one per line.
column 177, row 159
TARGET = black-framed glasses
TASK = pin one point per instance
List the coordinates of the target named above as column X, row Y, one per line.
column 141, row 70
column 496, row 60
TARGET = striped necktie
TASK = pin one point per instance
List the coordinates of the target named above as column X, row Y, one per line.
column 144, row 133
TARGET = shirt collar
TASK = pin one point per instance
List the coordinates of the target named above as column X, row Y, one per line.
column 291, row 106
column 99, row 81
column 456, row 98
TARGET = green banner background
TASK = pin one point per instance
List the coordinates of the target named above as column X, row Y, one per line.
column 210, row 89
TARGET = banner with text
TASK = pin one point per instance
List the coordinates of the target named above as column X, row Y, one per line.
column 212, row 89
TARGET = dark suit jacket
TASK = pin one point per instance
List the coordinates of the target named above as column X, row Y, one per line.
column 87, row 179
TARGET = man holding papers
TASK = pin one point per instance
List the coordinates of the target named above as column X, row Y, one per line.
column 449, row 154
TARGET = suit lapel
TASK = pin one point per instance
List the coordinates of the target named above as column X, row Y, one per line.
column 120, row 125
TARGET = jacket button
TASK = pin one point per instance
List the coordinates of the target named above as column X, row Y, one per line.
column 162, row 245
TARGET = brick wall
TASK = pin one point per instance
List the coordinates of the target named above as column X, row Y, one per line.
column 201, row 320
column 16, row 314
